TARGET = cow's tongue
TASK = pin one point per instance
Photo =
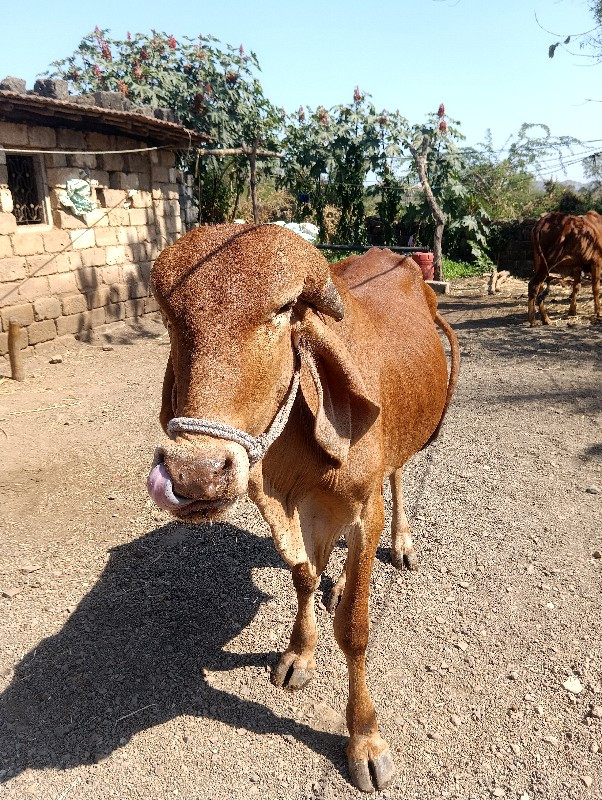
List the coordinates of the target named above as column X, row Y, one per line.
column 160, row 488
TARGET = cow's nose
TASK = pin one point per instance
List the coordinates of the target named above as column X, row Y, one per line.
column 200, row 478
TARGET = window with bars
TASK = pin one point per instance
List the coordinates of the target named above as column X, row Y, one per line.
column 26, row 189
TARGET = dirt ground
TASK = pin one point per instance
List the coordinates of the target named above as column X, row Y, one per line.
column 135, row 653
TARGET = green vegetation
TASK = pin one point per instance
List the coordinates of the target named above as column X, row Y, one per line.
column 338, row 165
column 462, row 269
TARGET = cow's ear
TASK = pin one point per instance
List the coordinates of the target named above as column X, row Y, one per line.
column 168, row 395
column 342, row 407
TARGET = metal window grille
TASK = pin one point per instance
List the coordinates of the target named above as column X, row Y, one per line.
column 28, row 206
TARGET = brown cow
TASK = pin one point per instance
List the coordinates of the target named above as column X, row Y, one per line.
column 254, row 313
column 568, row 245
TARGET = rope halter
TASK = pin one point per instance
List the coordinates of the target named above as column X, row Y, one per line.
column 256, row 446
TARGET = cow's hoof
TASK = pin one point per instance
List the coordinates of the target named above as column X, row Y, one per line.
column 376, row 773
column 293, row 672
column 405, row 560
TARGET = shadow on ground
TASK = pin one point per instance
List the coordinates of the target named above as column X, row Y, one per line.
column 132, row 654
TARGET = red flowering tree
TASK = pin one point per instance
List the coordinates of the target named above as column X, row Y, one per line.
column 213, row 88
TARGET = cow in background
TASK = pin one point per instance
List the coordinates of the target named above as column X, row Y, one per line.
column 569, row 245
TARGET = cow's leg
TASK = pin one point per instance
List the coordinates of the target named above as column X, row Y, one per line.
column 537, row 294
column 596, row 291
column 402, row 547
column 369, row 758
column 297, row 665
column 576, row 287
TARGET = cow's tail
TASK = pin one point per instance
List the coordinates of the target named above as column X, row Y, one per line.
column 453, row 372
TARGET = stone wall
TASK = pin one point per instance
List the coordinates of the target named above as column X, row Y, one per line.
column 512, row 247
column 77, row 273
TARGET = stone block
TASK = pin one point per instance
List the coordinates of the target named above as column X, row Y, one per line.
column 167, row 158
column 115, row 255
column 62, row 283
column 12, row 84
column 134, row 308
column 66, row 221
column 58, row 176
column 142, row 200
column 111, row 198
column 99, row 297
column 9, row 293
column 41, row 137
column 52, row 87
column 131, row 272
column 106, row 236
column 94, row 256
column 102, row 177
column 56, row 240
column 8, row 223
column 46, row 308
column 42, row 265
column 119, row 292
column 13, row 134
column 55, row 160
column 4, row 341
column 127, row 234
column 82, row 239
column 41, row 331
column 138, row 289
column 76, row 323
column 161, row 175
column 138, row 216
column 23, row 313
column 174, row 225
column 74, row 304
column 100, row 141
column 157, row 194
column 124, row 180
column 82, row 160
column 99, row 218
column 119, row 217
column 68, row 139
column 146, row 233
column 6, row 201
column 111, row 162
column 6, row 248
column 33, row 288
column 150, row 305
column 144, row 268
column 112, row 274
column 87, row 278
column 12, row 269
column 69, row 260
column 26, row 243
column 115, row 312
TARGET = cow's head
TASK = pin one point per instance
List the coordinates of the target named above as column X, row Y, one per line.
column 234, row 298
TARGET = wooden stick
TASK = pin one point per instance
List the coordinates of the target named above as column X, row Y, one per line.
column 14, row 351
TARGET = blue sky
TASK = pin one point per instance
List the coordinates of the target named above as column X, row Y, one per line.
column 485, row 59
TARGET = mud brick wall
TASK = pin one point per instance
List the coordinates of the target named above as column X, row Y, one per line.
column 77, row 273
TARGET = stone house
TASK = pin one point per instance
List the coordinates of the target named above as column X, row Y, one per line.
column 65, row 270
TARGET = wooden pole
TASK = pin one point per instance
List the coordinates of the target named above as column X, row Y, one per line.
column 253, row 182
column 14, row 351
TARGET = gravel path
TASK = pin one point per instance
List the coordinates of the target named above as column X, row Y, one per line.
column 135, row 653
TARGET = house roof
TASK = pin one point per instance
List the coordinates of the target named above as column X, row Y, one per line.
column 32, row 109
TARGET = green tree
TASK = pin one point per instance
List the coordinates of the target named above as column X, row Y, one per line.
column 213, row 88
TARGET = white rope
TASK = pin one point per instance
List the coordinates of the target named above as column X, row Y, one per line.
column 256, row 446
column 29, row 152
